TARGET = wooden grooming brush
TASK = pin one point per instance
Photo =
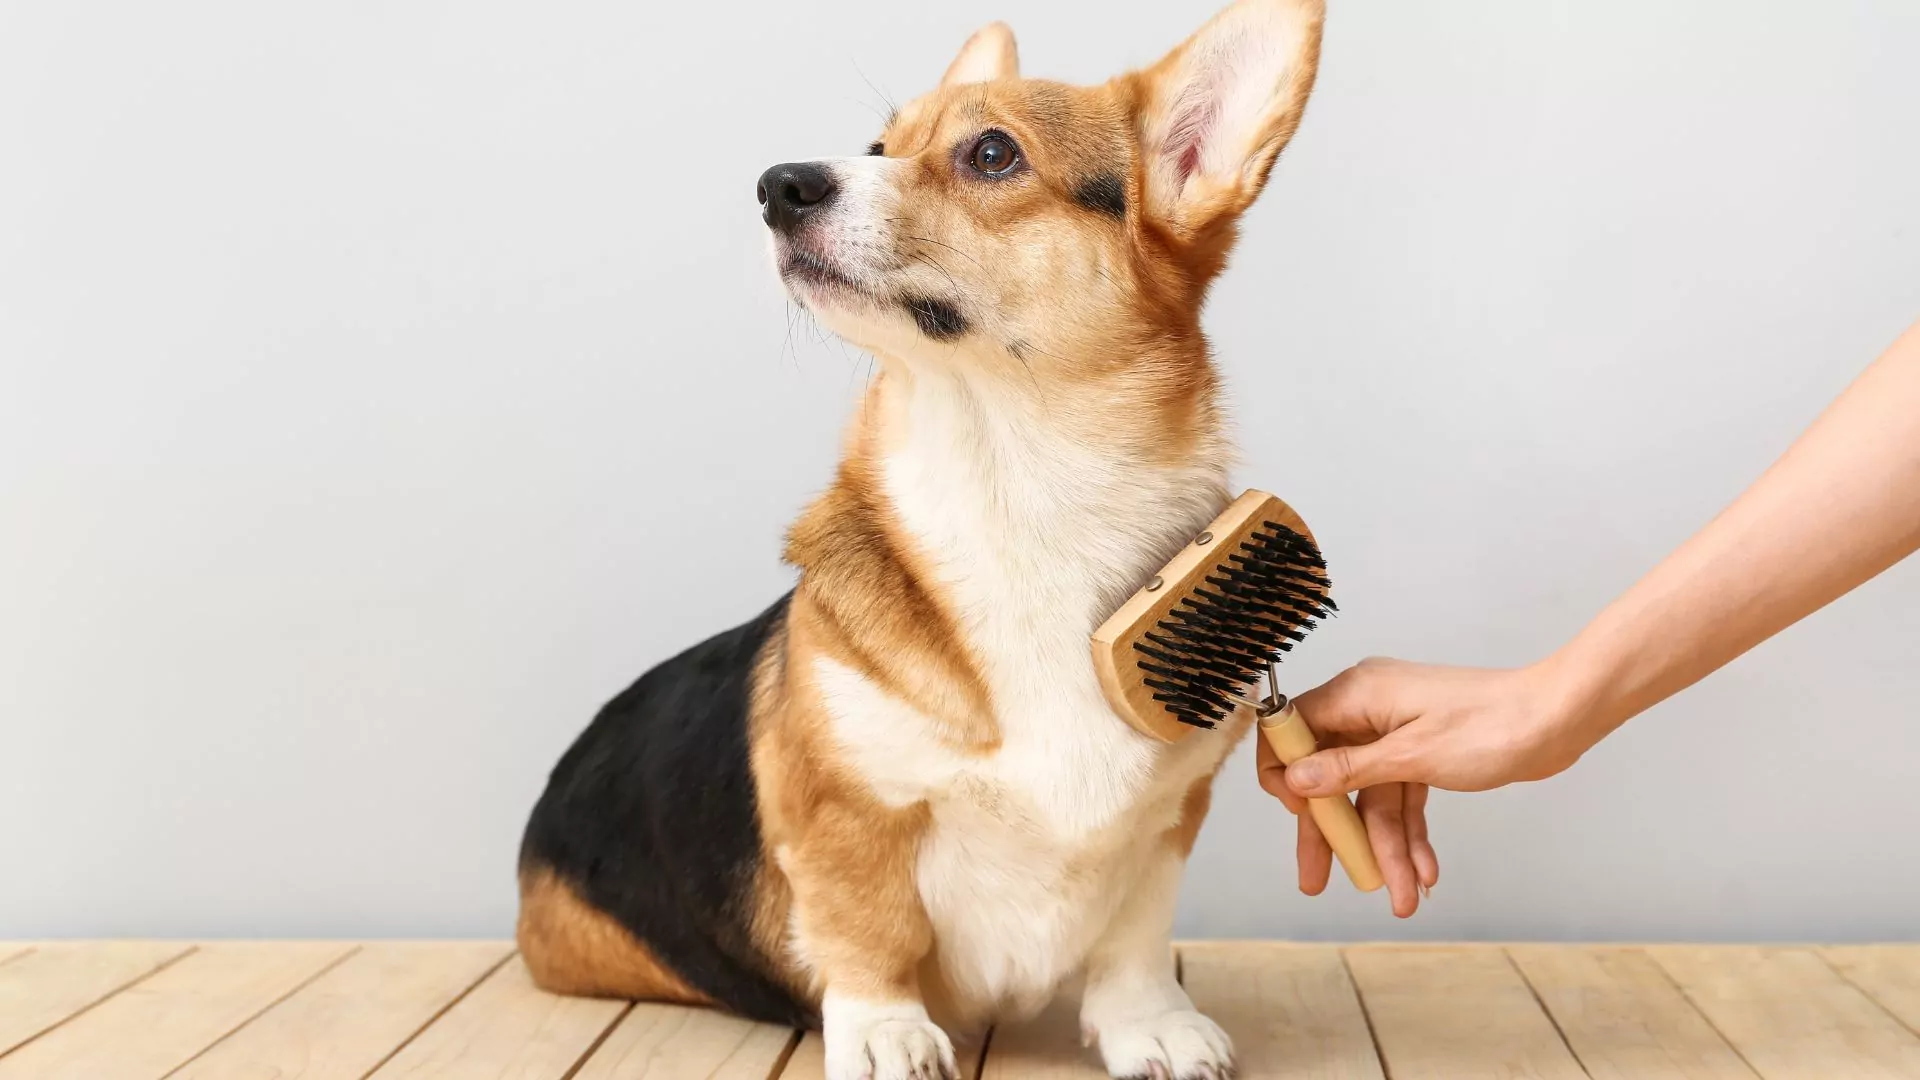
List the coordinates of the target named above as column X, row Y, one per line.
column 1193, row 643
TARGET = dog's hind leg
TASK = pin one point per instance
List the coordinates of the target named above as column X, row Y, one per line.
column 571, row 947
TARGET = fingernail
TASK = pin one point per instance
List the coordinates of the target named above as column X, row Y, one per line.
column 1306, row 774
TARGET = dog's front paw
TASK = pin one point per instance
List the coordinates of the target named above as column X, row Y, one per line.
column 887, row 1042
column 1178, row 1045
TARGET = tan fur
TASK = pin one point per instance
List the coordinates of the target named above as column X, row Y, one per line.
column 1206, row 225
column 572, row 947
column 770, row 924
column 823, row 829
column 866, row 599
column 989, row 54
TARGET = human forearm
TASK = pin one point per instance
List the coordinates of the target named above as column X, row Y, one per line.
column 1839, row 507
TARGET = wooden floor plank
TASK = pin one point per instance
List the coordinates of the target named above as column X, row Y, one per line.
column 1623, row 1016
column 1044, row 1048
column 1457, row 1012
column 809, row 1062
column 1291, row 1010
column 45, row 985
column 1889, row 974
column 347, row 1021
column 1790, row 1014
column 506, row 1027
column 160, row 1022
column 320, row 1011
column 668, row 1042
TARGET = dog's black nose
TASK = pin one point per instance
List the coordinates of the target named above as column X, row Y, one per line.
column 788, row 193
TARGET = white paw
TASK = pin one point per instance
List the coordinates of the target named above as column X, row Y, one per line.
column 1180, row 1045
column 897, row 1043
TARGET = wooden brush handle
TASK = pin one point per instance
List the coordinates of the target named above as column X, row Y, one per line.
column 1339, row 822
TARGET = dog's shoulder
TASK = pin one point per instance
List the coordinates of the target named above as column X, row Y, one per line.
column 868, row 604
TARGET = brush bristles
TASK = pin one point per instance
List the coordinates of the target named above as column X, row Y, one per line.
column 1205, row 653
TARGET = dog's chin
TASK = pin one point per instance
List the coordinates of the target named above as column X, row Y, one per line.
column 843, row 304
column 818, row 282
column 855, row 317
column 825, row 297
column 864, row 315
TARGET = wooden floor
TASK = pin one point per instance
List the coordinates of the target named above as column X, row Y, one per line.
column 145, row 1010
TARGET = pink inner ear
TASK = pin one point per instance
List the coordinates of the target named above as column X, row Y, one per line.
column 1194, row 117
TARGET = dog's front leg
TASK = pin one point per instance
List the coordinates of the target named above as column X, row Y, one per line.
column 860, row 924
column 1134, row 1006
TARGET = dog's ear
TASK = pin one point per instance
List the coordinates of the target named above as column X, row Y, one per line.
column 1214, row 113
column 988, row 55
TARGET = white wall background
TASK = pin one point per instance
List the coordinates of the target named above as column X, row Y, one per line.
column 368, row 369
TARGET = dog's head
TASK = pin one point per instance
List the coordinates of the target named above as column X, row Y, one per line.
column 1037, row 224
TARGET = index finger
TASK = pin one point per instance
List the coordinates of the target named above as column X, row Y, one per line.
column 1352, row 703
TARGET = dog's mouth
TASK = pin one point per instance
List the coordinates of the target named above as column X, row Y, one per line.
column 799, row 266
column 815, row 279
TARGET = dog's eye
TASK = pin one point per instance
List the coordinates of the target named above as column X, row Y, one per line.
column 994, row 154
column 877, row 149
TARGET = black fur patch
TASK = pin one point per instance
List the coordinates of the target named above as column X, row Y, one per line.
column 1103, row 194
column 651, row 817
column 938, row 319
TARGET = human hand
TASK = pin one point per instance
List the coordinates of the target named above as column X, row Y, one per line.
column 1396, row 819
column 1389, row 729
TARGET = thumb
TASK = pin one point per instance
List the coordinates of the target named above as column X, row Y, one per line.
column 1341, row 769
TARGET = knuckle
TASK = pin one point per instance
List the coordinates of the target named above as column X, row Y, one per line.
column 1345, row 768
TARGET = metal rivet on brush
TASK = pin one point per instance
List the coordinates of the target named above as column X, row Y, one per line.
column 1154, row 584
column 1203, row 538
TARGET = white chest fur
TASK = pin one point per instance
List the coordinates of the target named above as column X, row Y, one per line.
column 1034, row 536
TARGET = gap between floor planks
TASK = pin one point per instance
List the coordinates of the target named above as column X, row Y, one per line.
column 387, row 1010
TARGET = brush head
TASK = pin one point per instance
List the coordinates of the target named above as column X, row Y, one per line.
column 1201, row 657
column 1187, row 649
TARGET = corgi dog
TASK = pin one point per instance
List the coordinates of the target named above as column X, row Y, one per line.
column 895, row 806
